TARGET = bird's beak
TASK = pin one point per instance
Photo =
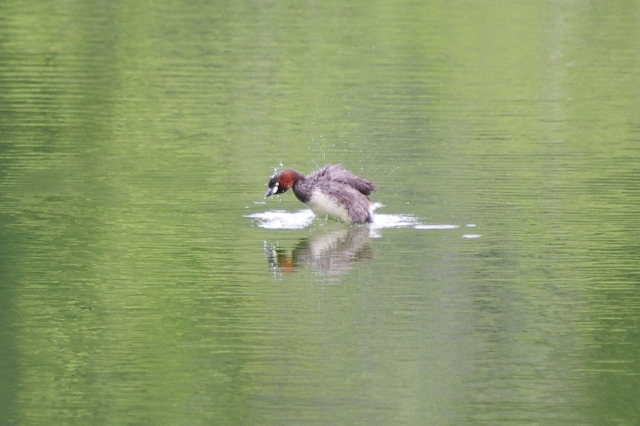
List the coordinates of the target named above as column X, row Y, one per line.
column 272, row 190
column 269, row 192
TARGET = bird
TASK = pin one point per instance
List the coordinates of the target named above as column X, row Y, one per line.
column 331, row 191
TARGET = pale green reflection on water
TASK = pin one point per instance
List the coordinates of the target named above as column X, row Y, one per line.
column 135, row 139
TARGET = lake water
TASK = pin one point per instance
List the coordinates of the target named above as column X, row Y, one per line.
column 146, row 281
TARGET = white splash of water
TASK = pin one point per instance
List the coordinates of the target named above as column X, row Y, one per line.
column 471, row 236
column 281, row 219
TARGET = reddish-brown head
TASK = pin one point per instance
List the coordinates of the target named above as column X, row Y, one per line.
column 281, row 182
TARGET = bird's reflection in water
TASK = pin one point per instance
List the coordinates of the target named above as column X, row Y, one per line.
column 327, row 253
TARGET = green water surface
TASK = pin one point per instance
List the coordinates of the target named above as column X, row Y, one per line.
column 135, row 138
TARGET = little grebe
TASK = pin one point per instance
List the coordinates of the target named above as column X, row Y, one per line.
column 330, row 191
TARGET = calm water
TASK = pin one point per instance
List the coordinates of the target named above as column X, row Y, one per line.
column 146, row 281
